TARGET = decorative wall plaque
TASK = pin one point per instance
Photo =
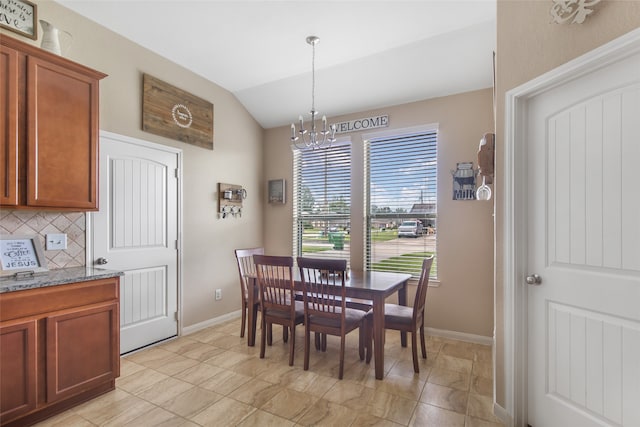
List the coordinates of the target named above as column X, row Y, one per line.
column 571, row 11
column 173, row 113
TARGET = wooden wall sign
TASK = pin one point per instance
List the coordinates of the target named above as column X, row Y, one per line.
column 173, row 113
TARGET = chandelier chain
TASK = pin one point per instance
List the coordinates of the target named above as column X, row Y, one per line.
column 313, row 79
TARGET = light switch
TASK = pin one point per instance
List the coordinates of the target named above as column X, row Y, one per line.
column 56, row 242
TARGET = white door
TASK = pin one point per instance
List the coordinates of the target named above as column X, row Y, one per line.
column 583, row 205
column 136, row 231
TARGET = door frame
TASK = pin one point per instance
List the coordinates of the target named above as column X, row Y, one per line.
column 88, row 217
column 515, row 214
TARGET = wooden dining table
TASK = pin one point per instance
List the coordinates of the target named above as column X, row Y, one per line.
column 369, row 285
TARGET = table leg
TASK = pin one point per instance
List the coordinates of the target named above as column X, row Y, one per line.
column 378, row 335
column 402, row 300
column 252, row 318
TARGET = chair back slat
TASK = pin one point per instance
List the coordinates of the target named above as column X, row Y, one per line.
column 275, row 280
column 421, row 292
column 246, row 267
column 324, row 286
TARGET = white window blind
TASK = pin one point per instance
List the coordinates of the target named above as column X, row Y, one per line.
column 322, row 201
column 401, row 201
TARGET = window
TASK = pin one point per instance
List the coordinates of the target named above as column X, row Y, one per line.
column 322, row 201
column 401, row 200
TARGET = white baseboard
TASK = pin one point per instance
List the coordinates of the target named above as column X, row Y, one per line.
column 502, row 413
column 211, row 322
column 460, row 336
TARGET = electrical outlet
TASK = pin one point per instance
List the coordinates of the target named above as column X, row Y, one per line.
column 218, row 294
column 56, row 242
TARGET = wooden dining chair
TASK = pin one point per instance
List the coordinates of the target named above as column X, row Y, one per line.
column 410, row 319
column 277, row 298
column 325, row 307
column 246, row 267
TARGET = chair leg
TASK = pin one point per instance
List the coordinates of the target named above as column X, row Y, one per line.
column 369, row 339
column 263, row 337
column 244, row 319
column 292, row 344
column 422, row 342
column 414, row 351
column 324, row 342
column 362, row 340
column 285, row 334
column 307, row 345
column 316, row 337
column 341, row 371
column 270, row 334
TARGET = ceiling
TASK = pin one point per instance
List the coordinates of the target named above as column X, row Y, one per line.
column 371, row 54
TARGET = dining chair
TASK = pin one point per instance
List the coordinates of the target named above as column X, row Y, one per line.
column 325, row 306
column 410, row 319
column 277, row 298
column 246, row 267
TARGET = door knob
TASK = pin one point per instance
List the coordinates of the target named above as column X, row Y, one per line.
column 534, row 279
column 102, row 261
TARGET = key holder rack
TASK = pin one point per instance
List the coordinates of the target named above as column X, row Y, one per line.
column 230, row 199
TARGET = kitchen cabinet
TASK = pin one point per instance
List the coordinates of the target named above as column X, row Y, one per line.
column 60, row 347
column 18, row 368
column 49, row 127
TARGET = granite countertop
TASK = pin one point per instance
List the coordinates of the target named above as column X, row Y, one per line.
column 62, row 276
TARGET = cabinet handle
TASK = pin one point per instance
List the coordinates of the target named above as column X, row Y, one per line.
column 102, row 261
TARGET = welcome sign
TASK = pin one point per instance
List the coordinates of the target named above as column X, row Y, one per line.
column 362, row 124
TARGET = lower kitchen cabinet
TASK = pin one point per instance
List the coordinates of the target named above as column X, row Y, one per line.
column 60, row 347
column 18, row 368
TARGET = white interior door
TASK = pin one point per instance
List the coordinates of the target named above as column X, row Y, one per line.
column 583, row 205
column 136, row 231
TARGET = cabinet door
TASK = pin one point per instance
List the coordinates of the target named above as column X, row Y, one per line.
column 62, row 136
column 17, row 368
column 82, row 350
column 8, row 126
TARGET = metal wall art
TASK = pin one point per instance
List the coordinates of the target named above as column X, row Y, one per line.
column 571, row 11
column 464, row 181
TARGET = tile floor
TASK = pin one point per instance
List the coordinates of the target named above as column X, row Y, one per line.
column 212, row 378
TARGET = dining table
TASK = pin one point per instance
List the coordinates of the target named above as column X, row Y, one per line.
column 375, row 286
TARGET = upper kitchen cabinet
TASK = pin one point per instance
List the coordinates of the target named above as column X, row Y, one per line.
column 49, row 127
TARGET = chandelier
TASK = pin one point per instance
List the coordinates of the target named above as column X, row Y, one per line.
column 313, row 138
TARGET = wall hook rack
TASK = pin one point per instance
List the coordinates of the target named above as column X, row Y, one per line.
column 230, row 199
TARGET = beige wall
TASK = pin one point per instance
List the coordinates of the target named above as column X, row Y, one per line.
column 208, row 242
column 528, row 45
column 464, row 301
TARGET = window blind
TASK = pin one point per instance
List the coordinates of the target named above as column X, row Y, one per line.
column 401, row 201
column 322, row 201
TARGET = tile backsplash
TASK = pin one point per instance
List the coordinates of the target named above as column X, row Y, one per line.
column 39, row 223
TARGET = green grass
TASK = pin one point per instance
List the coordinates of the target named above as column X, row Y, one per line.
column 308, row 249
column 383, row 236
column 406, row 263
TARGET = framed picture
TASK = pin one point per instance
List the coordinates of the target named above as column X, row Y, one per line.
column 19, row 16
column 277, row 191
column 21, row 254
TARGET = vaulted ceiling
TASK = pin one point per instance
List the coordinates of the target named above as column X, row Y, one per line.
column 371, row 53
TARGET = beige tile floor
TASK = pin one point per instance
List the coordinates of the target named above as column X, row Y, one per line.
column 212, row 378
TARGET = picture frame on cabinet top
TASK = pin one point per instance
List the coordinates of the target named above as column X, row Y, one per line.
column 19, row 16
